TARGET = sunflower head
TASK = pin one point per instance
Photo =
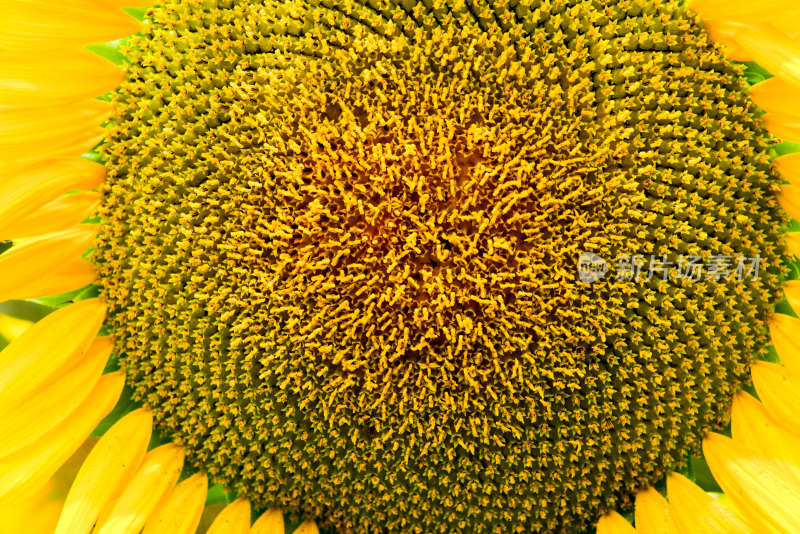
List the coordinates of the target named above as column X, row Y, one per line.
column 340, row 240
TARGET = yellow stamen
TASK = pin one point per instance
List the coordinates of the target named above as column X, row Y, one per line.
column 26, row 471
column 180, row 511
column 55, row 401
column 697, row 512
column 109, row 467
column 52, row 345
column 270, row 522
column 42, row 257
column 765, row 493
column 652, row 513
column 234, row 519
column 157, row 475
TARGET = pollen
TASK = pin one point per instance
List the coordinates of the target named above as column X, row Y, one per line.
column 340, row 252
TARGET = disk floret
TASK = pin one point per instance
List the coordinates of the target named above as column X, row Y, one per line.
column 340, row 249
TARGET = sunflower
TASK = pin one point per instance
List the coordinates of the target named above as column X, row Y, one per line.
column 329, row 256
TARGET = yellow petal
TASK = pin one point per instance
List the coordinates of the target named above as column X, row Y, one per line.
column 746, row 11
column 234, row 519
column 789, row 167
column 47, row 348
column 270, row 522
column 766, row 494
column 11, row 327
column 26, row 471
column 789, row 200
column 613, row 523
column 37, row 24
column 157, row 475
column 41, row 257
column 54, row 402
column 777, row 96
column 777, row 388
column 36, row 134
column 179, row 512
column 791, row 290
column 61, row 214
column 722, row 32
column 75, row 275
column 793, row 244
column 771, row 49
column 754, row 428
column 310, row 527
column 696, row 512
column 109, row 467
column 783, row 126
column 23, row 193
column 652, row 513
column 784, row 330
column 30, row 78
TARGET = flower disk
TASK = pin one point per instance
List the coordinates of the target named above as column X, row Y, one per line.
column 341, row 239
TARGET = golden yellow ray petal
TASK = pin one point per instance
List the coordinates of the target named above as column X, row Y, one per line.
column 23, row 193
column 746, row 11
column 12, row 327
column 765, row 493
column 782, row 126
column 723, row 33
column 26, row 471
column 53, row 403
column 777, row 96
column 784, row 331
column 179, row 512
column 310, row 527
column 157, row 475
column 61, row 214
column 46, row 349
column 652, row 515
column 270, row 522
column 233, row 519
column 27, row 125
column 789, row 167
column 789, row 199
column 793, row 244
column 777, row 388
column 792, row 291
column 109, row 467
column 696, row 512
column 753, row 427
column 31, row 79
column 70, row 277
column 41, row 257
column 38, row 24
column 71, row 130
column 771, row 49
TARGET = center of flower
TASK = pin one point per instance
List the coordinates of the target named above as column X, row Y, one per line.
column 341, row 241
